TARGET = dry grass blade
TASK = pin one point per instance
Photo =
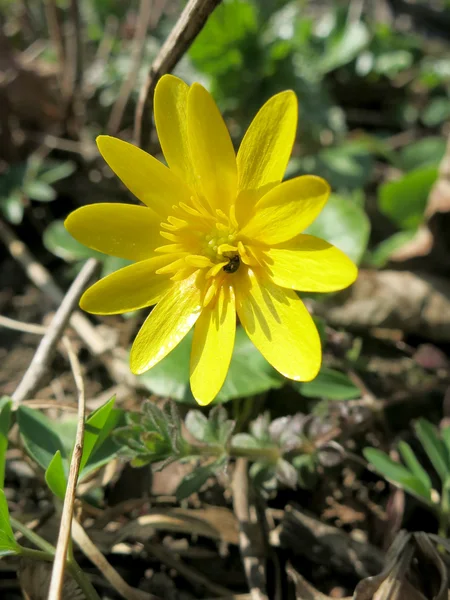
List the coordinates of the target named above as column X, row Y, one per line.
column 249, row 534
column 42, row 357
column 20, row 326
column 62, row 545
column 43, row 280
column 143, row 22
column 90, row 550
column 186, row 29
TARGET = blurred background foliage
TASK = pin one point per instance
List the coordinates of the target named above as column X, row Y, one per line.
column 373, row 91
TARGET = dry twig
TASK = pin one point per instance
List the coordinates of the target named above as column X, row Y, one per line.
column 249, row 533
column 42, row 357
column 45, row 282
column 186, row 29
column 64, row 537
column 143, row 21
column 109, row 573
column 189, row 573
column 21, row 326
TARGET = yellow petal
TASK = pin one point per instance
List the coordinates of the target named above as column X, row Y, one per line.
column 212, row 346
column 128, row 289
column 265, row 150
column 147, row 178
column 168, row 323
column 211, row 149
column 310, row 264
column 287, row 209
column 170, row 109
column 122, row 230
column 279, row 325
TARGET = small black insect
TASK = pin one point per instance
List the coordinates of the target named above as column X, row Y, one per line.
column 233, row 264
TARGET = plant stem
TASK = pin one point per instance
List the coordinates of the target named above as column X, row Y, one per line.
column 32, row 536
column 35, row 554
column 47, row 553
column 82, row 579
column 268, row 454
column 444, row 509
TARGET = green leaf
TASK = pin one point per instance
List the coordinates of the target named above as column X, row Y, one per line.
column 8, row 544
column 437, row 111
column 329, row 384
column 196, row 423
column 218, row 48
column 193, row 481
column 39, row 190
column 434, row 447
column 13, row 207
column 38, row 435
column 249, row 373
column 58, row 240
column 55, row 476
column 424, row 153
column 344, row 47
column 397, row 473
column 404, row 201
column 5, row 423
column 105, row 448
column 414, row 465
column 343, row 224
column 382, row 253
column 58, row 172
column 93, row 429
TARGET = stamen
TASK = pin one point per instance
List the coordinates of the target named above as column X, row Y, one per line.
column 215, row 269
column 168, row 227
column 226, row 248
column 169, row 236
column 169, row 248
column 178, row 223
column 210, row 293
column 233, row 219
column 198, row 261
column 221, row 214
column 190, row 210
column 173, row 267
column 245, row 257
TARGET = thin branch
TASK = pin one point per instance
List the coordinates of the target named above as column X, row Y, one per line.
column 187, row 572
column 90, row 550
column 62, row 545
column 54, row 30
column 101, row 57
column 186, row 29
column 249, row 533
column 21, row 326
column 43, row 355
column 43, row 280
column 73, row 71
column 143, row 22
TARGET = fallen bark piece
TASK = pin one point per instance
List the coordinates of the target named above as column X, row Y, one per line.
column 415, row 303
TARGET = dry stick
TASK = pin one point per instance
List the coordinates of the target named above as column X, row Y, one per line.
column 187, row 572
column 249, row 543
column 42, row 357
column 21, row 326
column 62, row 545
column 101, row 57
column 44, row 281
column 73, row 71
column 90, row 550
column 54, row 30
column 143, row 22
column 186, row 29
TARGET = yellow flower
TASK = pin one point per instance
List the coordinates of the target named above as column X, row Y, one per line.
column 219, row 234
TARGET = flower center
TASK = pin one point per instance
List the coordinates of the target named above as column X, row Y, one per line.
column 202, row 238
